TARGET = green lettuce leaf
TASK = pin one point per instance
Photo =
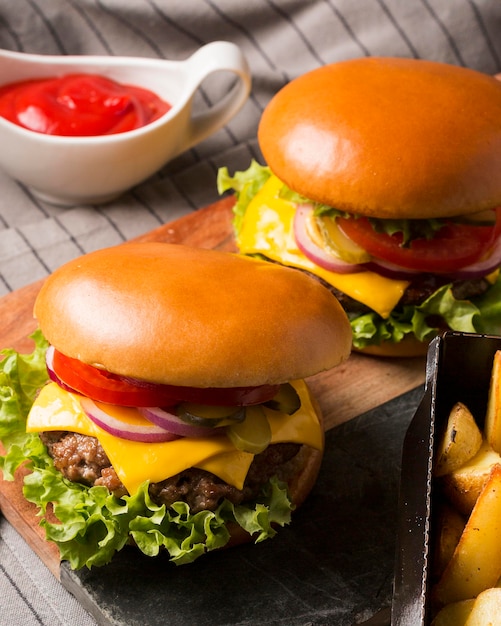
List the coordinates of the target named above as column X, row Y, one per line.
column 481, row 314
column 92, row 525
column 245, row 184
column 21, row 375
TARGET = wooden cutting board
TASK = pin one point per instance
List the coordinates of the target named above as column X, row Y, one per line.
column 353, row 388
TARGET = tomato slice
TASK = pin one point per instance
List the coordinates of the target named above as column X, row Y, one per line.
column 454, row 246
column 113, row 389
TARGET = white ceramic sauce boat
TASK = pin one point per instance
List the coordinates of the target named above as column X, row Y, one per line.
column 89, row 170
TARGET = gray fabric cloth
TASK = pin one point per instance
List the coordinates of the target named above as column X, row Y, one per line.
column 30, row 594
column 281, row 40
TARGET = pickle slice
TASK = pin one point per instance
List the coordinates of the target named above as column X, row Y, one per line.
column 335, row 242
column 253, row 434
column 208, row 415
column 286, row 400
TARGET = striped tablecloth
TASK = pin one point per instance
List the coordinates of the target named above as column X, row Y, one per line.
column 281, row 39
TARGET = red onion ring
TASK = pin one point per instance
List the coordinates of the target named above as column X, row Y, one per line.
column 315, row 253
column 380, row 266
column 174, row 424
column 480, row 268
column 390, row 270
column 148, row 433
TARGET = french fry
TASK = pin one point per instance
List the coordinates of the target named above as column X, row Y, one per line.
column 463, row 486
column 454, row 614
column 450, row 526
column 493, row 416
column 476, row 562
column 486, row 609
column 461, row 441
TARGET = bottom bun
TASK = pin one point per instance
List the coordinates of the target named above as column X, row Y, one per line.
column 408, row 347
column 302, row 473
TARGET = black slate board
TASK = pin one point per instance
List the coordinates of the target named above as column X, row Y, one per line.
column 333, row 565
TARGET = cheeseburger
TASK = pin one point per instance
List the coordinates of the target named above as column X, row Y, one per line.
column 383, row 180
column 175, row 415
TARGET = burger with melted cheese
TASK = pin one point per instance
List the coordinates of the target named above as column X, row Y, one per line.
column 382, row 179
column 176, row 415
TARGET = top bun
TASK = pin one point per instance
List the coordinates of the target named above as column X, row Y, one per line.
column 172, row 314
column 387, row 137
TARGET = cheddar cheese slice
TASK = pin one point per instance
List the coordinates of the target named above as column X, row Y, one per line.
column 135, row 462
column 268, row 229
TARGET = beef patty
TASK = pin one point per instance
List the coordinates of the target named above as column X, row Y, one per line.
column 80, row 458
column 420, row 288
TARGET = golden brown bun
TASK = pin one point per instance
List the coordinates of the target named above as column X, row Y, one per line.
column 408, row 347
column 173, row 314
column 299, row 489
column 388, row 137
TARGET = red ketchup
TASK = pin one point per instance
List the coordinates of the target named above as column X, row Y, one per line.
column 79, row 105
